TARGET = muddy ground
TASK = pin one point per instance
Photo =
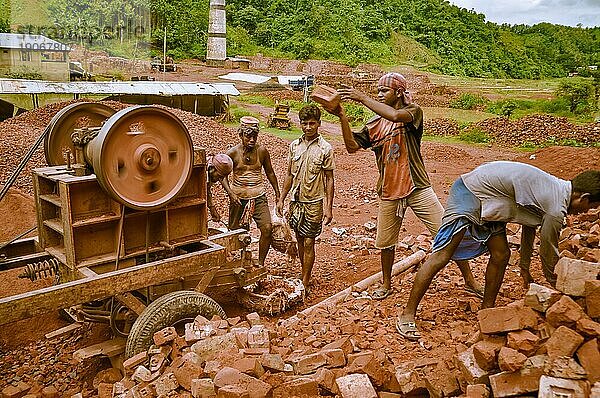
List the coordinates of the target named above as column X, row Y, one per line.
column 447, row 314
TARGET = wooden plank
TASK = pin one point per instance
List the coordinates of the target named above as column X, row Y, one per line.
column 110, row 348
column 131, row 302
column 80, row 291
column 206, row 279
column 86, row 272
column 63, row 330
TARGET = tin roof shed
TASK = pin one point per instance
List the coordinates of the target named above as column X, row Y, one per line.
column 30, row 42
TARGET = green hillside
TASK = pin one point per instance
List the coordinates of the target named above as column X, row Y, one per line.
column 429, row 34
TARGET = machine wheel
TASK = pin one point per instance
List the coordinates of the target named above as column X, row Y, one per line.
column 64, row 123
column 142, row 156
column 166, row 311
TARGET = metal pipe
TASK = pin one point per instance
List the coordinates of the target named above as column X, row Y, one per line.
column 397, row 268
column 22, row 164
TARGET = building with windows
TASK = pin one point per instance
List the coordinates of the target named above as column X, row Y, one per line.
column 33, row 56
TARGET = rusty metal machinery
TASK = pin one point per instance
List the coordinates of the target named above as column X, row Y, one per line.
column 122, row 225
column 142, row 156
column 58, row 144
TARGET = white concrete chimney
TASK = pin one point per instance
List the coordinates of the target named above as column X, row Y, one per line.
column 216, row 47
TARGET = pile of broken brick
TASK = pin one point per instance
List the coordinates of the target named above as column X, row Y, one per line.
column 547, row 342
column 235, row 358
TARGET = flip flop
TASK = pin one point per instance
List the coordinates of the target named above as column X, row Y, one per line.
column 381, row 293
column 478, row 293
column 408, row 330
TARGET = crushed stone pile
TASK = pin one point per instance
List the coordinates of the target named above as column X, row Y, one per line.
column 538, row 130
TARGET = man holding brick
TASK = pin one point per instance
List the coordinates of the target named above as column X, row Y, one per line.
column 394, row 135
column 480, row 203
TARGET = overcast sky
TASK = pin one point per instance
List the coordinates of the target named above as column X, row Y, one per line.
column 530, row 12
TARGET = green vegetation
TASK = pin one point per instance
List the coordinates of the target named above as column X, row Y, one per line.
column 468, row 101
column 430, row 34
column 474, row 135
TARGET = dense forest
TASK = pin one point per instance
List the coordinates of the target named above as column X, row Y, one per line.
column 430, row 34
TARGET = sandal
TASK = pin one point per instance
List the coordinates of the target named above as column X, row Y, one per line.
column 408, row 330
column 476, row 292
column 381, row 293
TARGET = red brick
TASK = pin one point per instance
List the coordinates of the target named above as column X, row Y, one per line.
column 592, row 298
column 335, row 357
column 345, row 344
column 254, row 319
column 134, row 361
column 508, row 384
column 572, row 274
column 258, row 337
column 506, row 319
column 551, row 387
column 469, row 368
column 164, row 336
column 485, row 353
column 165, row 384
column 588, row 328
column 187, row 368
column 523, row 341
column 355, row 386
column 194, row 332
column 142, row 374
column 563, row 342
column 272, row 362
column 589, row 358
column 540, row 298
column 564, row 312
column 211, row 368
column 376, row 365
column 233, row 391
column 306, row 364
column 18, row 391
column 50, row 392
column 157, row 363
column 230, row 376
column 304, row 387
column 564, row 367
column 477, row 391
column 441, row 382
column 325, row 378
column 510, row 360
column 213, row 347
column 105, row 390
column 203, row 388
column 250, row 366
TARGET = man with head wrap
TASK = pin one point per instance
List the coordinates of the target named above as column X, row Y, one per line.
column 247, row 191
column 394, row 134
column 219, row 167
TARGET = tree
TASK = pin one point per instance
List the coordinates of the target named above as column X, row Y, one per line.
column 577, row 92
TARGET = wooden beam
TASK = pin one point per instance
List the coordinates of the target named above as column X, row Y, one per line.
column 131, row 302
column 206, row 279
column 110, row 348
column 27, row 305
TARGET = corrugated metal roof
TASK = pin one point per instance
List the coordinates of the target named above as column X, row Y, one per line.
column 17, row 86
column 30, row 42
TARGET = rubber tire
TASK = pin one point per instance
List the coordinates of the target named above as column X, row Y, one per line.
column 166, row 311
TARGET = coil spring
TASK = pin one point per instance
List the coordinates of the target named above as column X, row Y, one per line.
column 41, row 269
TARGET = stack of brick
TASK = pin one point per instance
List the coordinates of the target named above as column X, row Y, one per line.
column 581, row 239
column 235, row 358
column 546, row 343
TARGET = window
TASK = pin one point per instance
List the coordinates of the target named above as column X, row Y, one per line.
column 25, row 55
column 54, row 56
